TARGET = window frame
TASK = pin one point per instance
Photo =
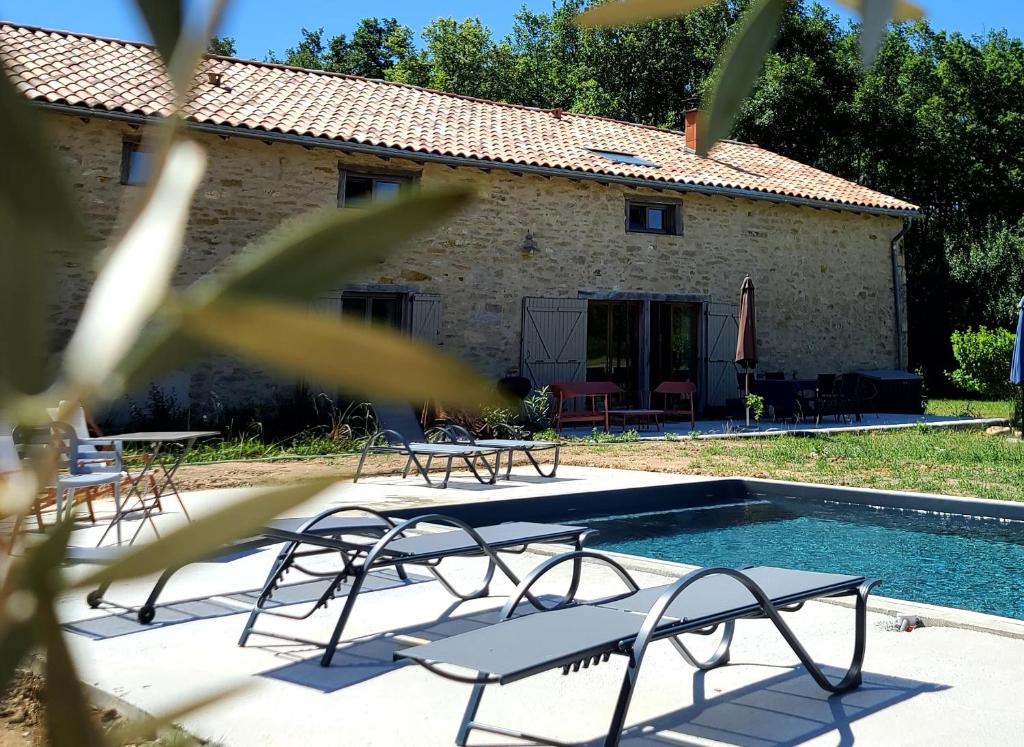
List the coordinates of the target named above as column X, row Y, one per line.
column 673, row 212
column 129, row 147
column 404, row 179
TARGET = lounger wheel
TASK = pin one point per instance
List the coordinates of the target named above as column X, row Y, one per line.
column 94, row 598
column 146, row 614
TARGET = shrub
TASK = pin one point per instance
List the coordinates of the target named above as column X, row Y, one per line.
column 755, row 403
column 537, row 410
column 984, row 358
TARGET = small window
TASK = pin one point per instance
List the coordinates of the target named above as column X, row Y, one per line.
column 358, row 189
column 626, row 158
column 653, row 217
column 381, row 308
column 136, row 163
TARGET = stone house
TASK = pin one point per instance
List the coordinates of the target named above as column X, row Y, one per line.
column 595, row 249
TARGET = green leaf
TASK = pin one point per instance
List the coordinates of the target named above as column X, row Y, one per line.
column 876, row 14
column 39, row 223
column 741, row 65
column 182, row 46
column 902, row 10
column 162, row 347
column 300, row 260
column 312, row 254
column 625, row 12
column 361, row 359
column 15, row 643
column 208, row 533
column 69, row 720
column 33, row 579
column 165, row 19
column 135, row 278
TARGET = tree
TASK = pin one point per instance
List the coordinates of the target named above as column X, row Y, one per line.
column 461, row 57
column 377, row 46
column 990, row 268
column 222, row 45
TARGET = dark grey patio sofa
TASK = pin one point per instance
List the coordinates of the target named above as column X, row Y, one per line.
column 580, row 635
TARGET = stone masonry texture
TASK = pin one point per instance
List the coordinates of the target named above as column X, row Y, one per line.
column 823, row 277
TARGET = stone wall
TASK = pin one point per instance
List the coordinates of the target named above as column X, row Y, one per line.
column 823, row 277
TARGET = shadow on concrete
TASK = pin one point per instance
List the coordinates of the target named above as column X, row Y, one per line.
column 787, row 709
column 125, row 621
column 372, row 656
column 466, row 482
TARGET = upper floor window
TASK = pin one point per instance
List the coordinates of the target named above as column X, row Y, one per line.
column 136, row 163
column 654, row 217
column 355, row 189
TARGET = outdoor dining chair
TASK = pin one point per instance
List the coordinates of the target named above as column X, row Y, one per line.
column 76, row 472
column 582, row 635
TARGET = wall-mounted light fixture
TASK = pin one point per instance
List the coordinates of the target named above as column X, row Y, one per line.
column 530, row 245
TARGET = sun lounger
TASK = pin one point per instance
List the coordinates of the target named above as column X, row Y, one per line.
column 400, row 433
column 583, row 635
column 458, row 434
column 325, row 525
column 397, row 549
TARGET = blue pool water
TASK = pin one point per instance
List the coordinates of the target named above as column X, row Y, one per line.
column 950, row 560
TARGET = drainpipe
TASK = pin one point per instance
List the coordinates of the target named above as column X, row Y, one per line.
column 897, row 295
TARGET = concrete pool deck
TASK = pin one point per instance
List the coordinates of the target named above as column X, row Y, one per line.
column 935, row 685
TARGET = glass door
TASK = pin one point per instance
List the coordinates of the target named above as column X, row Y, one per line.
column 673, row 342
column 613, row 344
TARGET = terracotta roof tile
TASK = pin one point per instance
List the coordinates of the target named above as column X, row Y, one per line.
column 84, row 71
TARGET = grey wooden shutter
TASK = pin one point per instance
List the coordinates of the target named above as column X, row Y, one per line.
column 554, row 340
column 425, row 318
column 328, row 304
column 721, row 327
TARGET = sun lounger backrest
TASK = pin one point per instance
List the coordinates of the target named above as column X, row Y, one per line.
column 399, row 417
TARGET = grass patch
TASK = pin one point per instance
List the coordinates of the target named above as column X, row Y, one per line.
column 929, row 460
column 975, row 408
column 253, row 448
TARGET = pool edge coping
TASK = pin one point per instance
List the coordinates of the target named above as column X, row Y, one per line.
column 930, row 615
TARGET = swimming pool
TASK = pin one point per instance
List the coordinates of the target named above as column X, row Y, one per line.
column 951, row 560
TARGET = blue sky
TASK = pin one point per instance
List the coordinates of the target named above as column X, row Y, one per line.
column 261, row 25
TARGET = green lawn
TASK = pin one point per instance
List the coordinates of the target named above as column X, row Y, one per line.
column 982, row 408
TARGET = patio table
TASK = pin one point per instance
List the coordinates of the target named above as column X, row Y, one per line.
column 643, row 417
column 166, row 452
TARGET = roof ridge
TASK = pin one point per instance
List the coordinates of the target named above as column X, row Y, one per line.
column 349, row 76
column 292, row 103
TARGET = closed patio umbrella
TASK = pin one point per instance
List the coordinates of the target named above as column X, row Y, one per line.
column 746, row 337
column 1017, row 366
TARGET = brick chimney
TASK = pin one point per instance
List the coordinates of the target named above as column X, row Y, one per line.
column 690, row 122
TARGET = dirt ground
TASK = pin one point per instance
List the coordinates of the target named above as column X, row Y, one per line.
column 23, row 719
column 21, row 713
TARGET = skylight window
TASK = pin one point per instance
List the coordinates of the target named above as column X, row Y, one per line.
column 626, row 158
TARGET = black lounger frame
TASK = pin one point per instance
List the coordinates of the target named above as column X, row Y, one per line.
column 654, row 629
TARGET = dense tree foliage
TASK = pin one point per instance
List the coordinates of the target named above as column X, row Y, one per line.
column 222, row 45
column 938, row 120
